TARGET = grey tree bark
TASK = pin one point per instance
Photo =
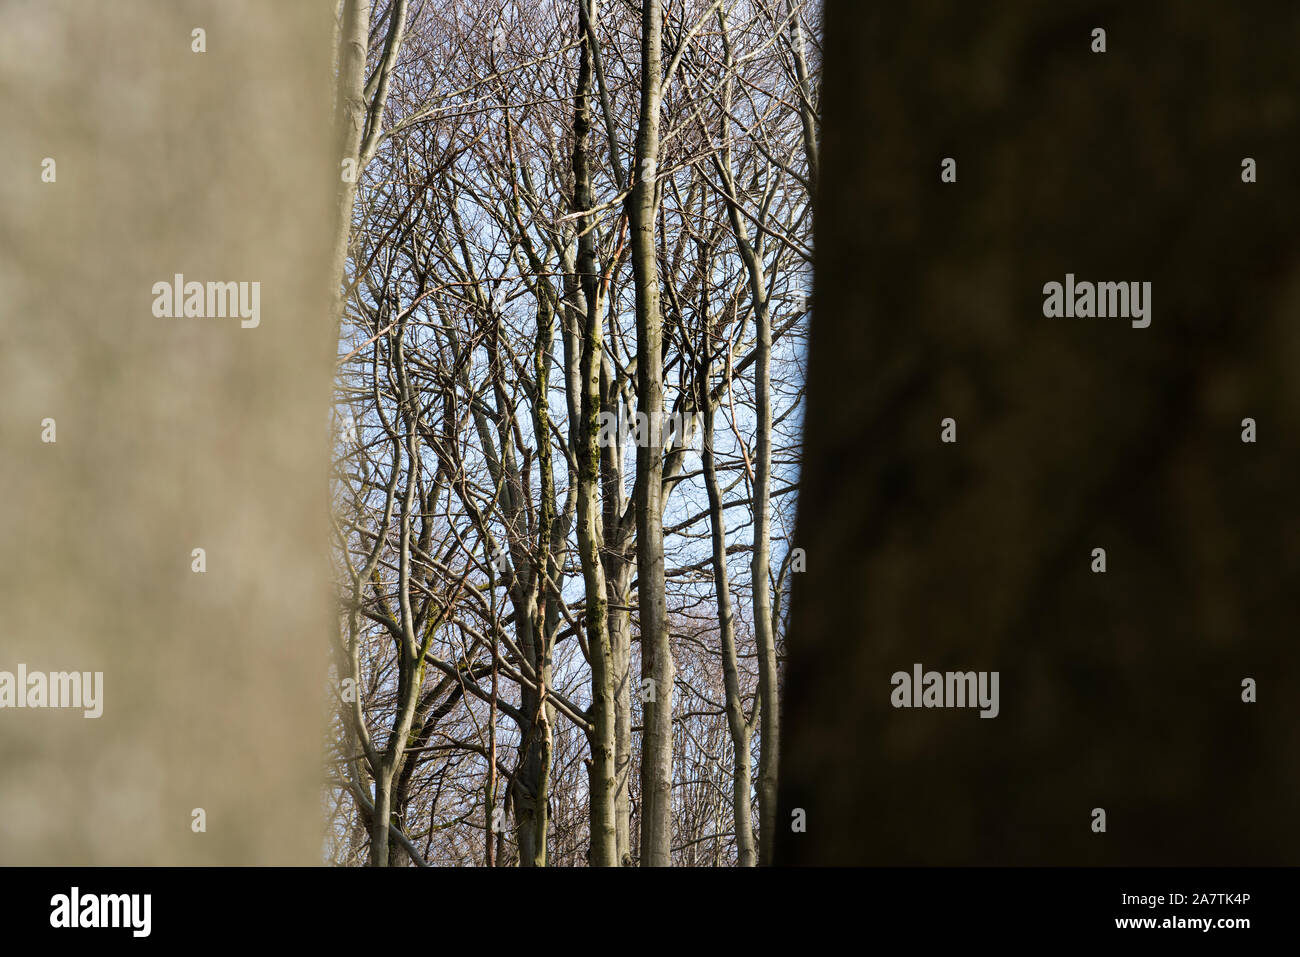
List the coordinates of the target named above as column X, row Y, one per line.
column 760, row 561
column 359, row 115
column 604, row 850
column 740, row 730
column 656, row 655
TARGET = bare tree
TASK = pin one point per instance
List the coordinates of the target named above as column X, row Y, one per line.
column 576, row 245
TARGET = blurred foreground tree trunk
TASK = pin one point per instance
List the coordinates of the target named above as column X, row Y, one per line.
column 1120, row 691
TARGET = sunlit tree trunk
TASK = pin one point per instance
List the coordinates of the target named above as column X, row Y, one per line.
column 656, row 656
column 604, row 838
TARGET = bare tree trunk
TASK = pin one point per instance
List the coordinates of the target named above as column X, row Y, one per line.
column 760, row 563
column 532, row 782
column 491, row 795
column 604, row 838
column 807, row 111
column 379, row 824
column 618, row 586
column 656, row 656
column 350, row 121
column 359, row 118
column 619, row 558
column 412, row 647
column 727, row 633
column 532, row 777
column 770, row 726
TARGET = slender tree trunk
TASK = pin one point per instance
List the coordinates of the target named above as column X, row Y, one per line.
column 359, row 118
column 769, row 733
column 618, row 587
column 604, row 837
column 410, row 676
column 760, row 563
column 619, row 559
column 807, row 112
column 726, row 628
column 350, row 123
column 656, row 656
column 490, row 804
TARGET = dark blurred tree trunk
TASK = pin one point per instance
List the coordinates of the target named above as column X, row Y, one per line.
column 1119, row 690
